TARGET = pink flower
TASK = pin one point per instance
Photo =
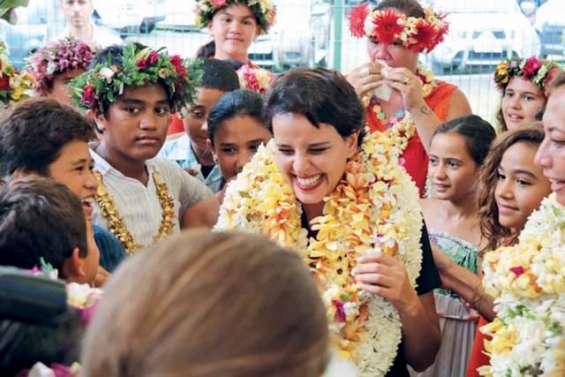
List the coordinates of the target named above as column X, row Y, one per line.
column 89, row 96
column 153, row 57
column 218, row 3
column 176, row 61
column 517, row 270
column 531, row 67
column 340, row 312
column 4, row 82
column 141, row 64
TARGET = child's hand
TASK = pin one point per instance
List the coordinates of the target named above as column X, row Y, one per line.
column 101, row 277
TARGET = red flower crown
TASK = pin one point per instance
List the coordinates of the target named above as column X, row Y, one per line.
column 390, row 25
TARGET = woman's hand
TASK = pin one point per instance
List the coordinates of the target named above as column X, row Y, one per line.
column 102, row 277
column 409, row 85
column 386, row 276
column 365, row 78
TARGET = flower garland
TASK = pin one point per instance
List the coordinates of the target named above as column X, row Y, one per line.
column 264, row 10
column 116, row 224
column 56, row 58
column 528, row 283
column 390, row 25
column 255, row 78
column 104, row 83
column 14, row 86
column 398, row 131
column 374, row 203
column 540, row 72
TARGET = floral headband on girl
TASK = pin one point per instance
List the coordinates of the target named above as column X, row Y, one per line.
column 56, row 58
column 104, row 83
column 390, row 25
column 14, row 86
column 538, row 71
column 264, row 11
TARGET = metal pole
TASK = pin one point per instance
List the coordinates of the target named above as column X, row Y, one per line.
column 339, row 14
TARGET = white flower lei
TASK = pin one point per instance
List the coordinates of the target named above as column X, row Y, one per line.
column 376, row 201
column 528, row 282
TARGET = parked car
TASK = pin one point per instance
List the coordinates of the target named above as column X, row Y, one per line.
column 483, row 33
column 550, row 24
column 131, row 16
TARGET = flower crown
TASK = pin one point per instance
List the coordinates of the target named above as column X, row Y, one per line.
column 254, row 78
column 56, row 58
column 14, row 86
column 390, row 25
column 104, row 83
column 539, row 72
column 264, row 11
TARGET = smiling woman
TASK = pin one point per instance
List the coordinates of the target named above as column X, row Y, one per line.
column 340, row 199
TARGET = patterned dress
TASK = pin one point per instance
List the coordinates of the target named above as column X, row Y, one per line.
column 458, row 323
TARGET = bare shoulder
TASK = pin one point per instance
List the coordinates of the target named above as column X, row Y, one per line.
column 458, row 105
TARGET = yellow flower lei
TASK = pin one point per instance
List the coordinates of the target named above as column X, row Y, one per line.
column 403, row 129
column 116, row 223
column 528, row 283
column 374, row 202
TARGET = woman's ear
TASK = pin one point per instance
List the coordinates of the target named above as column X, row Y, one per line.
column 352, row 144
column 100, row 121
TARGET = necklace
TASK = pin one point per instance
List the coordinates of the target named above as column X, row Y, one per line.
column 361, row 212
column 400, row 128
column 116, row 223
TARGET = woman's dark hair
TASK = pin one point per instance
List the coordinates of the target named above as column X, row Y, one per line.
column 207, row 50
column 411, row 8
column 34, row 132
column 115, row 54
column 237, row 103
column 491, row 229
column 477, row 133
column 321, row 96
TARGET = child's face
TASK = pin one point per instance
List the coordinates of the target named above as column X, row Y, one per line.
column 236, row 141
column 60, row 91
column 73, row 168
column 195, row 124
column 234, row 29
column 521, row 186
column 135, row 126
column 452, row 170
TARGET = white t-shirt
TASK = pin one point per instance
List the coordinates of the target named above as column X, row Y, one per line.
column 102, row 37
column 139, row 205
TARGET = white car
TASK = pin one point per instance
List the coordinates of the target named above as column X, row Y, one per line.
column 130, row 15
column 550, row 24
column 482, row 33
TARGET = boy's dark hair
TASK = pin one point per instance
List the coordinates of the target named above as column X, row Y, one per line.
column 411, row 8
column 232, row 104
column 219, row 74
column 477, row 133
column 40, row 218
column 322, row 96
column 34, row 132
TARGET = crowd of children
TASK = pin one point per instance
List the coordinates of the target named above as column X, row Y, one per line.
column 96, row 190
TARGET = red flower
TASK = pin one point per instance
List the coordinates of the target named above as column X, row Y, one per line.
column 531, row 67
column 4, row 82
column 176, row 61
column 219, row 3
column 339, row 311
column 517, row 270
column 141, row 64
column 425, row 36
column 153, row 57
column 89, row 96
column 387, row 28
column 357, row 19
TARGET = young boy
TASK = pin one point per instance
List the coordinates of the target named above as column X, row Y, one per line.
column 43, row 219
column 41, row 137
column 236, row 129
column 132, row 91
column 191, row 150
